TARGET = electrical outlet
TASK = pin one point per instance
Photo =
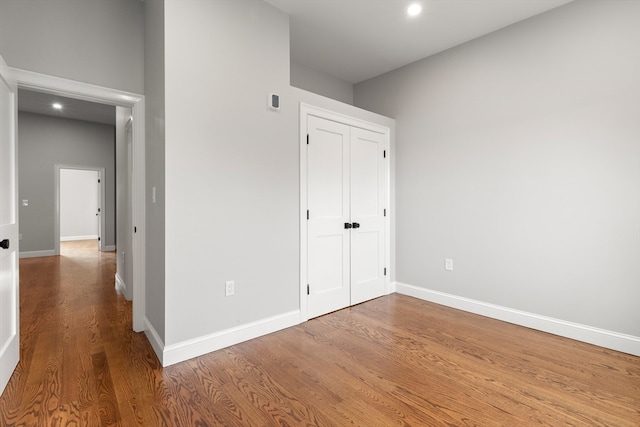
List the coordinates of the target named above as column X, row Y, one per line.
column 230, row 288
column 448, row 264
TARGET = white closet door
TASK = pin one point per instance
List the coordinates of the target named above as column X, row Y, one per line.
column 367, row 173
column 328, row 211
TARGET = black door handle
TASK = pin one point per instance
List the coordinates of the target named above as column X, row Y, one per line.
column 355, row 225
column 4, row 244
column 347, row 225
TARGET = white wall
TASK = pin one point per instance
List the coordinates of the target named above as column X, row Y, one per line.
column 518, row 156
column 79, row 203
column 92, row 41
column 320, row 83
column 43, row 142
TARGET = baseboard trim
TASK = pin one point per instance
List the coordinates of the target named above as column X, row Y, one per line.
column 608, row 339
column 195, row 347
column 109, row 248
column 74, row 238
column 154, row 339
column 36, row 254
column 121, row 286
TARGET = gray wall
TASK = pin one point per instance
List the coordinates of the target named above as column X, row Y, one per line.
column 93, row 41
column 321, row 83
column 43, row 142
column 232, row 167
column 124, row 244
column 518, row 156
column 155, row 165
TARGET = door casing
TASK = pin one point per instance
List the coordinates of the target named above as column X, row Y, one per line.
column 305, row 111
column 88, row 92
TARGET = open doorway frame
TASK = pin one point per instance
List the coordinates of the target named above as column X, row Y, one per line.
column 101, row 204
column 103, row 95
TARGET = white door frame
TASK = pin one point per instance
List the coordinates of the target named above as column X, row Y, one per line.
column 103, row 95
column 101, row 201
column 305, row 111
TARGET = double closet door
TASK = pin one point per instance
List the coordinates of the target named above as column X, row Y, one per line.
column 346, row 182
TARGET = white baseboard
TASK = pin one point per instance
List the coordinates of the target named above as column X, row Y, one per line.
column 600, row 337
column 154, row 339
column 109, row 248
column 35, row 254
column 73, row 238
column 121, row 286
column 189, row 349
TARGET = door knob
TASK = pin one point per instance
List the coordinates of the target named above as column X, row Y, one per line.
column 347, row 225
column 355, row 225
column 4, row 244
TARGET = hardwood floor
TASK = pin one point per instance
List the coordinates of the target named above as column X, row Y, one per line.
column 393, row 361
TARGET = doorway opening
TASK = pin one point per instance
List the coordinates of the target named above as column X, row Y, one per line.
column 87, row 92
column 80, row 206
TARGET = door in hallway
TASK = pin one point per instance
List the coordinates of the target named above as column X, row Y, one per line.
column 9, row 301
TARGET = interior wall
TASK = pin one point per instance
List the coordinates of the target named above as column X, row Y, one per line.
column 320, row 83
column 154, row 83
column 124, row 244
column 518, row 157
column 232, row 167
column 43, row 142
column 55, row 37
column 79, row 203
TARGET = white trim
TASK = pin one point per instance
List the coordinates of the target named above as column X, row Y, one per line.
column 36, row 254
column 74, row 238
column 108, row 248
column 121, row 286
column 88, row 92
column 600, row 337
column 195, row 347
column 305, row 111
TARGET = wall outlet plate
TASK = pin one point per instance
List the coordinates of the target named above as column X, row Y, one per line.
column 229, row 288
column 448, row 264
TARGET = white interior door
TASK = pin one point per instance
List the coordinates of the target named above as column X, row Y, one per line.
column 328, row 211
column 367, row 170
column 9, row 278
column 346, row 207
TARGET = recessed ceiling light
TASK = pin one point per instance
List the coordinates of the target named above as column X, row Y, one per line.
column 57, row 106
column 414, row 10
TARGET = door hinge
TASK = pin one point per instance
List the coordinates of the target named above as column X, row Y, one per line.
column 385, row 271
column 98, row 181
column 385, row 212
column 307, row 139
column 307, row 213
column 135, row 229
column 384, row 154
column 307, row 289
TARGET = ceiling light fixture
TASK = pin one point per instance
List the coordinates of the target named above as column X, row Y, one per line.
column 57, row 106
column 414, row 10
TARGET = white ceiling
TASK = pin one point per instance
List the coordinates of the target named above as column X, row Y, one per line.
column 355, row 40
column 41, row 103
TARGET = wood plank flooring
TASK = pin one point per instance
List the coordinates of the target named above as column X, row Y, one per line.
column 393, row 361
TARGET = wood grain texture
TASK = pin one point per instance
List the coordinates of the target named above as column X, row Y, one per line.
column 393, row 361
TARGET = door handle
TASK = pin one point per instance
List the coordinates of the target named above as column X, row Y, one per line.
column 4, row 244
column 347, row 225
column 355, row 225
